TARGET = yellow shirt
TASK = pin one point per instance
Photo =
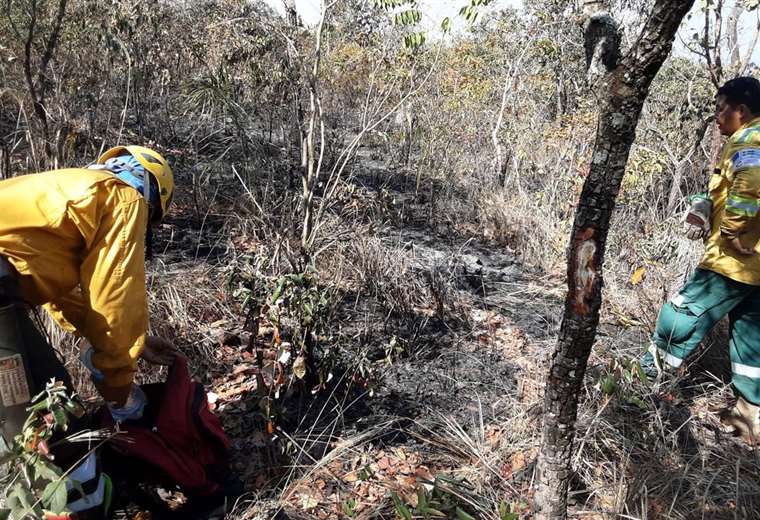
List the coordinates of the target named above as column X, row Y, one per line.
column 77, row 239
column 735, row 195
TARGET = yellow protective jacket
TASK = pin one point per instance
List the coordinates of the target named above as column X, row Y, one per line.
column 735, row 195
column 77, row 239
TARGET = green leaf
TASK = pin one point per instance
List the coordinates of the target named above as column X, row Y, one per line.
column 278, row 291
column 414, row 40
column 408, row 17
column 505, row 512
column 54, row 496
column 42, row 405
column 638, row 402
column 348, row 507
column 74, row 409
column 640, row 372
column 422, row 498
column 446, row 24
column 401, row 509
column 61, row 420
column 462, row 515
column 46, row 470
column 608, row 384
column 20, row 500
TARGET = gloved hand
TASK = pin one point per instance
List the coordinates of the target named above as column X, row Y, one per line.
column 698, row 217
column 132, row 409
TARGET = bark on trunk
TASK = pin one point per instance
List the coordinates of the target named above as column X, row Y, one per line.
column 624, row 92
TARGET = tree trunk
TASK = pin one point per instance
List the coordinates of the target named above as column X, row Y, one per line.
column 291, row 13
column 624, row 90
column 733, row 36
column 38, row 88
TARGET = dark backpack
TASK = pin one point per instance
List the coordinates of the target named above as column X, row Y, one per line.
column 178, row 435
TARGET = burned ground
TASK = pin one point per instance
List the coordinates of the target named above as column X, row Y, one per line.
column 443, row 339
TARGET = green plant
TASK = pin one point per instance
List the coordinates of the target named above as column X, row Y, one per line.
column 505, row 512
column 620, row 380
column 289, row 317
column 37, row 486
column 349, row 507
column 444, row 497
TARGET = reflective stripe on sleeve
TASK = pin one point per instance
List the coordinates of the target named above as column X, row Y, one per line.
column 746, row 135
column 666, row 356
column 743, row 206
column 745, row 158
column 745, row 370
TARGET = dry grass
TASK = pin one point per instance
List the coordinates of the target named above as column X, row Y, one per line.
column 442, row 346
column 665, row 457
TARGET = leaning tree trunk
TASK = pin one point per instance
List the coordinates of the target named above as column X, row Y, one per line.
column 624, row 88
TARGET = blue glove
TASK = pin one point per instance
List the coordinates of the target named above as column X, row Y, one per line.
column 132, row 409
column 86, row 358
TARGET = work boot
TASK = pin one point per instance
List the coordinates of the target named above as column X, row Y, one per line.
column 744, row 418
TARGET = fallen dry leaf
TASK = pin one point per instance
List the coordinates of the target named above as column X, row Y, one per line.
column 638, row 275
column 410, row 497
column 218, row 323
column 493, row 436
column 518, row 461
column 309, row 502
column 423, row 472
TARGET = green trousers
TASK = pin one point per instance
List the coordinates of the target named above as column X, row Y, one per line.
column 688, row 316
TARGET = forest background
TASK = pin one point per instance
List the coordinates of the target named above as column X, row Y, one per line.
column 365, row 261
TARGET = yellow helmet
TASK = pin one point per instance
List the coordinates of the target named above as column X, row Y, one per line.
column 153, row 162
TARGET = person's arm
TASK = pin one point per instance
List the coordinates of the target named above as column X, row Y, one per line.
column 112, row 277
column 743, row 202
column 69, row 311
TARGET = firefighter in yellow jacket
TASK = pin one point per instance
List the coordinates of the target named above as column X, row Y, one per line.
column 727, row 280
column 73, row 240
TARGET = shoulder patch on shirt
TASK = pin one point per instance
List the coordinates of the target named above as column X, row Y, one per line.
column 746, row 158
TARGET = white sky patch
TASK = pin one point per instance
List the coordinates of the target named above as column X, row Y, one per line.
column 695, row 24
column 434, row 11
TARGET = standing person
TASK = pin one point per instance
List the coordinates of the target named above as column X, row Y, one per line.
column 74, row 241
column 727, row 279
